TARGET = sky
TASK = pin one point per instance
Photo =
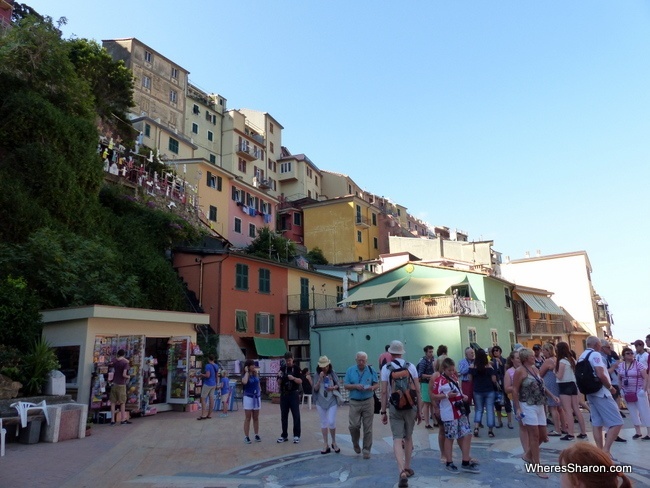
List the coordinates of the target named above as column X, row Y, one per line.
column 521, row 122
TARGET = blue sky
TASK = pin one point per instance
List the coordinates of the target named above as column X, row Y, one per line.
column 521, row 122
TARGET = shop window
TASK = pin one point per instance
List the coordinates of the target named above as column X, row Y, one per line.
column 264, row 280
column 241, row 320
column 241, row 276
column 68, row 357
column 264, row 323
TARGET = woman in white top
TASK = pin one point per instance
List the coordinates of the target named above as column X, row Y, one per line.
column 566, row 380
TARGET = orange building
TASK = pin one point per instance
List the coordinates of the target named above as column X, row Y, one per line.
column 246, row 297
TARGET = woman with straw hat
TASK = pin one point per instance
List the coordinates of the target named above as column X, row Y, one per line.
column 326, row 388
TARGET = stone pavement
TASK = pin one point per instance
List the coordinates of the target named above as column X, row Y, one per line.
column 173, row 449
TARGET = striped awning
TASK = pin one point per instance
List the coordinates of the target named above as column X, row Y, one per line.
column 541, row 304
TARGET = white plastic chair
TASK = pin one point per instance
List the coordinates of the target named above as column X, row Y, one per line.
column 308, row 398
column 24, row 409
column 3, row 433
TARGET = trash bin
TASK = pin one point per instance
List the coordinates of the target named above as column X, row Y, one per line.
column 55, row 383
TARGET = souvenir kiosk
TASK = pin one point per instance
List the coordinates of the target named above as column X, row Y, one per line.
column 159, row 345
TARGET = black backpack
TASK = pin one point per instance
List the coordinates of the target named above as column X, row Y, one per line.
column 586, row 379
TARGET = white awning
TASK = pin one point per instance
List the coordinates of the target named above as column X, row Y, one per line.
column 404, row 287
column 541, row 304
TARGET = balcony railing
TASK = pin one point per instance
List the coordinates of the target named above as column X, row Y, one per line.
column 420, row 308
column 541, row 326
column 361, row 221
column 310, row 301
column 248, row 152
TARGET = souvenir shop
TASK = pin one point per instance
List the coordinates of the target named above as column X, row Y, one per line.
column 160, row 346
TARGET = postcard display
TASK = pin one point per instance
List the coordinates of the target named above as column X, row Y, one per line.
column 105, row 352
column 179, row 375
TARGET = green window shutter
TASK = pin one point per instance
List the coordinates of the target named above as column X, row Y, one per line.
column 257, row 323
column 271, row 324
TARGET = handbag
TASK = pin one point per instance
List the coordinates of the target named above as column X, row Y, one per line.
column 631, row 397
column 377, row 404
column 339, row 397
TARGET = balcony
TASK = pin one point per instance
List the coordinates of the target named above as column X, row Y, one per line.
column 287, row 174
column 421, row 308
column 247, row 152
column 541, row 327
column 362, row 221
column 310, row 301
column 284, row 225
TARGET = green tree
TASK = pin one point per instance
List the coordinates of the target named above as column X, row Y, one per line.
column 20, row 319
column 316, row 256
column 270, row 245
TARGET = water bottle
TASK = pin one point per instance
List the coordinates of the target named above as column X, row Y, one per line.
column 326, row 385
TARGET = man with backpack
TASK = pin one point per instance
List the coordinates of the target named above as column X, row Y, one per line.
column 594, row 381
column 401, row 404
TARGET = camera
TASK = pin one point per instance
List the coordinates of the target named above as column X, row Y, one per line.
column 462, row 407
column 625, row 382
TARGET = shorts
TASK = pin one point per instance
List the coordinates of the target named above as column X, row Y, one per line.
column 457, row 428
column 424, row 391
column 118, row 395
column 604, row 411
column 224, row 398
column 402, row 422
column 569, row 388
column 251, row 403
column 533, row 414
column 207, row 391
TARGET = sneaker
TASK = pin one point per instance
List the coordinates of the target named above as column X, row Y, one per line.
column 620, row 439
column 296, row 440
column 581, row 436
column 124, row 422
column 357, row 449
column 452, row 468
column 112, row 424
column 282, row 439
column 223, row 415
column 366, row 454
column 470, row 468
column 258, row 438
column 247, row 440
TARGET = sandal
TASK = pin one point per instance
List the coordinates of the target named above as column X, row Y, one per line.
column 510, row 425
column 490, row 434
column 326, row 451
column 637, row 436
column 544, row 476
column 582, row 436
column 476, row 432
column 201, row 418
column 553, row 434
column 403, row 479
column 409, row 472
column 336, row 448
column 209, row 417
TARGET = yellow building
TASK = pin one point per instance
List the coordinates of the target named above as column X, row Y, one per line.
column 344, row 228
column 203, row 122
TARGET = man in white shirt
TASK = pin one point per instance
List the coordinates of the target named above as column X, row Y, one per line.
column 604, row 411
column 641, row 354
column 402, row 422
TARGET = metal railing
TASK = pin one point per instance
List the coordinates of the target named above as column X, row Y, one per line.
column 541, row 326
column 310, row 301
column 400, row 310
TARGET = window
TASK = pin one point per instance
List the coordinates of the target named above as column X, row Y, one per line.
column 374, row 219
column 213, row 159
column 264, row 323
column 174, row 73
column 236, row 195
column 68, row 357
column 265, row 280
column 339, row 293
column 195, row 128
column 242, row 165
column 359, row 236
column 285, row 167
column 237, row 225
column 147, row 57
column 241, row 320
column 513, row 340
column 173, row 145
column 241, row 276
column 147, row 130
column 173, row 96
column 471, row 334
column 213, row 213
column 252, row 231
column 399, row 212
column 375, row 242
column 297, row 219
column 210, row 136
column 271, row 128
column 508, row 297
column 494, row 336
column 316, row 180
column 146, row 82
column 271, row 147
column 195, row 109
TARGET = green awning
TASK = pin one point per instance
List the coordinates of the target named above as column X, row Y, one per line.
column 541, row 304
column 272, row 348
column 404, row 287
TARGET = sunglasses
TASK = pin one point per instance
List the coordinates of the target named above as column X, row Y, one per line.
column 629, row 352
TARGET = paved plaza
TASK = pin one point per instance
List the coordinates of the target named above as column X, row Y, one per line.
column 173, row 449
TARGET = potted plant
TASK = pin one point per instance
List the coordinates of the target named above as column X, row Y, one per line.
column 274, row 397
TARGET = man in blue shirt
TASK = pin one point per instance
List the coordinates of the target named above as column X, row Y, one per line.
column 361, row 381
column 209, row 385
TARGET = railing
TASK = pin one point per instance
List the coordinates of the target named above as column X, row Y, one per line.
column 360, row 220
column 400, row 310
column 248, row 150
column 541, row 326
column 310, row 301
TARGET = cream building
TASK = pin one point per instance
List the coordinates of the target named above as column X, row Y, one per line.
column 203, row 123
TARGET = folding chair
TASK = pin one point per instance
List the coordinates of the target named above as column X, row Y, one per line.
column 24, row 409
